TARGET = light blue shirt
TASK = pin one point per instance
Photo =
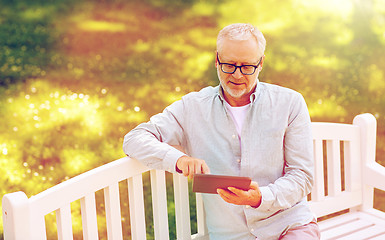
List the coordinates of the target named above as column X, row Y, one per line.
column 277, row 153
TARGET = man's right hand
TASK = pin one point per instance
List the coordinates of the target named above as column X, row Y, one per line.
column 189, row 166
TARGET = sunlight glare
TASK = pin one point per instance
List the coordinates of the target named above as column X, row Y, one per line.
column 340, row 7
column 100, row 26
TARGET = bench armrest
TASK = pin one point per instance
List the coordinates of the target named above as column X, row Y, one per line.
column 374, row 175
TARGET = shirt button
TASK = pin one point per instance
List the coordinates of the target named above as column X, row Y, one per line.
column 248, row 206
column 234, row 136
column 238, row 160
column 252, row 229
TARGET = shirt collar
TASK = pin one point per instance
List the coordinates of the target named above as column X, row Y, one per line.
column 253, row 96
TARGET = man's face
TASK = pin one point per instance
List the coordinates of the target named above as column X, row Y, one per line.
column 238, row 87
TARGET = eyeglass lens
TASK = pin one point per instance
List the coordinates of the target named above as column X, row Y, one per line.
column 229, row 68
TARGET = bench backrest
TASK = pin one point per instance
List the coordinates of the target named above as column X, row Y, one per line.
column 25, row 218
column 339, row 150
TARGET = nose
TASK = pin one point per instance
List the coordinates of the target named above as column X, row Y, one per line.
column 237, row 74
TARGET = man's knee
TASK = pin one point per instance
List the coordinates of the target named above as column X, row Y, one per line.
column 309, row 231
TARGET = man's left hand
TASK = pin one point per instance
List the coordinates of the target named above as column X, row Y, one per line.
column 238, row 196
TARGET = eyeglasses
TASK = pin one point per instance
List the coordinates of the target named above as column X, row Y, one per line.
column 245, row 69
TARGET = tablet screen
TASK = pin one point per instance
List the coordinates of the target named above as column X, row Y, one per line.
column 208, row 183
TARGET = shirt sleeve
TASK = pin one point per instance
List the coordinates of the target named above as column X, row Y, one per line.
column 151, row 142
column 297, row 180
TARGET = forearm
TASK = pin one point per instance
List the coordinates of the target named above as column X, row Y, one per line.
column 286, row 191
column 145, row 144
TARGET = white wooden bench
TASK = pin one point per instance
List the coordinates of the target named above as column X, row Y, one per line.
column 345, row 175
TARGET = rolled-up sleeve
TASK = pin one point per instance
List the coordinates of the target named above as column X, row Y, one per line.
column 151, row 142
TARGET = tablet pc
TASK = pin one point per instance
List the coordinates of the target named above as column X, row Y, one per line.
column 208, row 183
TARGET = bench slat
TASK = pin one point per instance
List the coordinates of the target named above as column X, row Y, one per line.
column 337, row 221
column 333, row 167
column 201, row 218
column 113, row 216
column 354, row 225
column 336, row 131
column 345, row 229
column 159, row 204
column 89, row 217
column 64, row 223
column 379, row 237
column 318, row 193
column 352, row 172
column 136, row 205
column 366, row 233
column 182, row 207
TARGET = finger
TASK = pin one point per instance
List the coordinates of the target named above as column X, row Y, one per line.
column 254, row 185
column 205, row 169
column 228, row 194
column 198, row 167
column 236, row 191
column 223, row 194
column 191, row 171
column 185, row 171
column 182, row 165
column 229, row 197
column 188, row 169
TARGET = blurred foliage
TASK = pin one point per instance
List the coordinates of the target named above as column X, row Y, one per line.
column 27, row 36
column 75, row 76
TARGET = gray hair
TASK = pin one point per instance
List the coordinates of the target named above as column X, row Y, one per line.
column 242, row 31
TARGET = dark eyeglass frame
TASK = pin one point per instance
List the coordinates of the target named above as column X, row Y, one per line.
column 236, row 67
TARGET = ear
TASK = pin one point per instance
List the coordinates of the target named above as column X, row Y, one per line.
column 262, row 61
column 216, row 59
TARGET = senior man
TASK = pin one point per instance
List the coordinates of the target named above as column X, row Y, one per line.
column 242, row 127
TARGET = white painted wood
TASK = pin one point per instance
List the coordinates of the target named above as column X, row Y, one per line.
column 201, row 218
column 335, row 204
column 353, row 174
column 365, row 233
column 136, row 204
column 368, row 130
column 355, row 225
column 343, row 132
column 333, row 167
column 89, row 217
column 159, row 204
column 64, row 223
column 199, row 236
column 16, row 218
column 374, row 215
column 113, row 215
column 344, row 230
column 38, row 228
column 318, row 193
column 338, row 221
column 379, row 237
column 182, row 209
column 88, row 182
column 372, row 173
